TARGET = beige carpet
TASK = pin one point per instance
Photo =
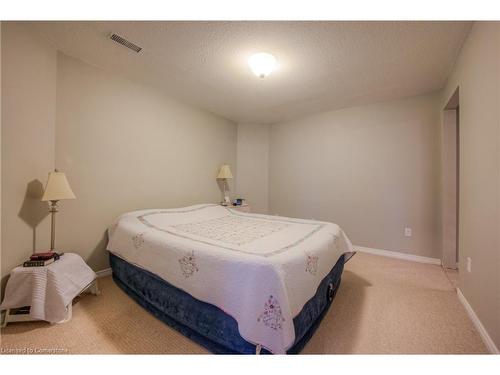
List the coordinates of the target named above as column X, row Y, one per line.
column 384, row 305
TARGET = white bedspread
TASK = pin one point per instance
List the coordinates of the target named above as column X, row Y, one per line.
column 259, row 269
column 48, row 290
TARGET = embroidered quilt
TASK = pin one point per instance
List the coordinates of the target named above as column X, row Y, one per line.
column 260, row 269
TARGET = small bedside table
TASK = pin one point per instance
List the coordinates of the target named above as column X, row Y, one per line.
column 245, row 207
column 48, row 291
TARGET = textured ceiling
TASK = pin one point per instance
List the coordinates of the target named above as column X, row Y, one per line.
column 322, row 65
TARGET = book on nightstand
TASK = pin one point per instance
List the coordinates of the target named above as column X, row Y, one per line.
column 38, row 263
column 44, row 256
column 41, row 259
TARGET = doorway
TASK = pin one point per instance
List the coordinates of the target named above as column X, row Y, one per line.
column 450, row 141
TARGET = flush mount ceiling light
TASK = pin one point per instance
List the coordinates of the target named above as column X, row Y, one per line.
column 262, row 64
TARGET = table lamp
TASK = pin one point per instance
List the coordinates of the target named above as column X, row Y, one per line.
column 57, row 189
column 224, row 175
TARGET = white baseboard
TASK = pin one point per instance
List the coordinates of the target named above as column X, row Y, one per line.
column 398, row 255
column 103, row 273
column 477, row 323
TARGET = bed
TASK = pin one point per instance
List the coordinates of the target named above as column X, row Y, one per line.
column 234, row 282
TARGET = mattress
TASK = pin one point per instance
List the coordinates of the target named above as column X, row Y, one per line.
column 261, row 270
column 208, row 325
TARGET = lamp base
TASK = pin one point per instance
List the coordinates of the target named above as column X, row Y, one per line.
column 53, row 210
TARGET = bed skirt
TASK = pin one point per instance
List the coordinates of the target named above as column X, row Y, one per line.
column 208, row 325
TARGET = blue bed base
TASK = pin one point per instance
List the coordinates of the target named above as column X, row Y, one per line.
column 208, row 325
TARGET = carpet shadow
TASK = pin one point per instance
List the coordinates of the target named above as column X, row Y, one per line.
column 133, row 330
column 18, row 328
column 339, row 330
column 15, row 328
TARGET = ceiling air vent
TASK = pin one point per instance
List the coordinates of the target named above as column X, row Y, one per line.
column 124, row 42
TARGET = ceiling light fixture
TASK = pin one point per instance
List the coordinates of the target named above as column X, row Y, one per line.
column 262, row 64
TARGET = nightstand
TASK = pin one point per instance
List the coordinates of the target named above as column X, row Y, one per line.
column 48, row 291
column 245, row 207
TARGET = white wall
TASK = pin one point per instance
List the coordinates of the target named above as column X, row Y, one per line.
column 124, row 147
column 477, row 74
column 373, row 170
column 28, row 141
column 253, row 165
column 449, row 191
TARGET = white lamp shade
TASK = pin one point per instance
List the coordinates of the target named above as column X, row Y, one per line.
column 57, row 188
column 225, row 172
